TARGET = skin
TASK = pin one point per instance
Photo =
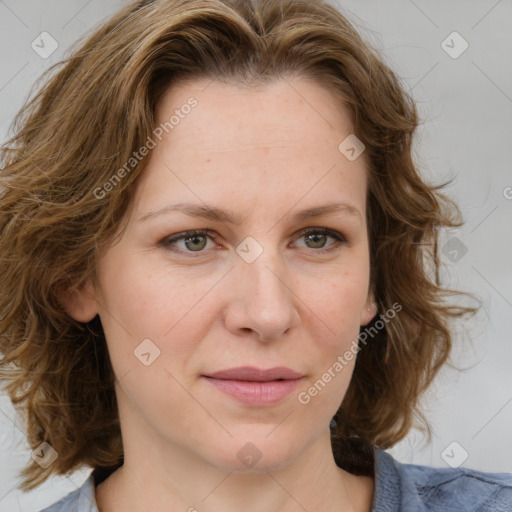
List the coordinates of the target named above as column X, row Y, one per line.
column 265, row 153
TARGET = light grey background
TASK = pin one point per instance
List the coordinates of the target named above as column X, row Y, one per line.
column 466, row 106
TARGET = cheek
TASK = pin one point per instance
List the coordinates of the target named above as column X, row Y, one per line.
column 341, row 302
column 150, row 300
column 143, row 302
column 335, row 353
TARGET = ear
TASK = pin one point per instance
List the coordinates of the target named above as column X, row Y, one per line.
column 369, row 310
column 80, row 304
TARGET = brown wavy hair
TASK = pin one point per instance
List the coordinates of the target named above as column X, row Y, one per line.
column 97, row 107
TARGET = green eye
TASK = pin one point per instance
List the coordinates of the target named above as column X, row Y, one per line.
column 317, row 238
column 194, row 241
column 197, row 241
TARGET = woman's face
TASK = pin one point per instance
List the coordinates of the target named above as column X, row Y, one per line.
column 279, row 278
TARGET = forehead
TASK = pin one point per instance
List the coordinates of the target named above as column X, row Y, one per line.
column 280, row 138
column 293, row 109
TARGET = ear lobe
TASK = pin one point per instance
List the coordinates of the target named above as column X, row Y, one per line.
column 80, row 304
column 369, row 311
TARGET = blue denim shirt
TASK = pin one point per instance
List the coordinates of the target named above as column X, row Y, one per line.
column 398, row 488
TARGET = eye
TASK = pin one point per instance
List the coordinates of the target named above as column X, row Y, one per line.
column 317, row 238
column 196, row 241
column 193, row 241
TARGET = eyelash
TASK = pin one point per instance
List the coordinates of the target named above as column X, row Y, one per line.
column 340, row 239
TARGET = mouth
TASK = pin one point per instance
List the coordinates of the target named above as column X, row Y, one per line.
column 255, row 386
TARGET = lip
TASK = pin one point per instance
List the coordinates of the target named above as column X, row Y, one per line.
column 255, row 386
column 253, row 374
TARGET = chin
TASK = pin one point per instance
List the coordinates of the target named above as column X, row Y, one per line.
column 256, row 453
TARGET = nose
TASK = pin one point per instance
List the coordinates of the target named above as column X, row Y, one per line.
column 262, row 301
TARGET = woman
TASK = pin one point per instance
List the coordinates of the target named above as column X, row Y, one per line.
column 215, row 244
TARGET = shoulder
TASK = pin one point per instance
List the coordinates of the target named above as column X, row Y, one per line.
column 413, row 487
column 81, row 500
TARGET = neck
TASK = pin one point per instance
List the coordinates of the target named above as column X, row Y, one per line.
column 313, row 481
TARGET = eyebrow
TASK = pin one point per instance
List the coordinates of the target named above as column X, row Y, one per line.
column 205, row 211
